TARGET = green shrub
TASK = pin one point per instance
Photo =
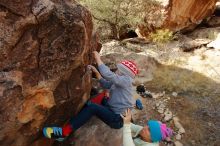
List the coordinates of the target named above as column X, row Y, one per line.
column 161, row 36
column 212, row 35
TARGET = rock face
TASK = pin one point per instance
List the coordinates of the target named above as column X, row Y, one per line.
column 187, row 14
column 45, row 46
column 97, row 133
column 177, row 15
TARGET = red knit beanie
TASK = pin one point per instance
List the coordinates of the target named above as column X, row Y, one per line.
column 128, row 68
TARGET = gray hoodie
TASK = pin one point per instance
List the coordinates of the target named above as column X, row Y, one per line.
column 120, row 89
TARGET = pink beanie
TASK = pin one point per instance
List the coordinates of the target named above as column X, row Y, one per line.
column 165, row 131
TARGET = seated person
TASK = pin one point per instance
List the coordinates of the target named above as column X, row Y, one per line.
column 149, row 135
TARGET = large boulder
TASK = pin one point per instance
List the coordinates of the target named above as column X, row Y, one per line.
column 97, row 133
column 176, row 15
column 45, row 47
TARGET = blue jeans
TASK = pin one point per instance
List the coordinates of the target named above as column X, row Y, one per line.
column 101, row 111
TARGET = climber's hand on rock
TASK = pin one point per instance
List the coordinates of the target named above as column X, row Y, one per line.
column 96, row 55
column 98, row 75
column 126, row 116
column 91, row 67
column 97, row 58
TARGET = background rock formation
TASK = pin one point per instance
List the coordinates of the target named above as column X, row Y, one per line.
column 177, row 15
column 188, row 14
column 45, row 46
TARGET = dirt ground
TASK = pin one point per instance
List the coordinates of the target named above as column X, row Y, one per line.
column 200, row 116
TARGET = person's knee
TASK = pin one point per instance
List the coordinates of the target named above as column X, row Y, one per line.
column 92, row 107
column 116, row 125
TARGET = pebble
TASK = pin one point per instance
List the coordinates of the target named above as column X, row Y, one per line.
column 160, row 111
column 181, row 130
column 174, row 94
column 161, row 106
column 177, row 123
column 165, row 100
column 177, row 143
column 167, row 110
column 155, row 96
column 178, row 137
column 161, row 94
column 176, row 119
column 193, row 142
column 168, row 115
column 158, row 104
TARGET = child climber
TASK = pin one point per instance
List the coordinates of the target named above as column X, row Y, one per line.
column 149, row 135
column 120, row 90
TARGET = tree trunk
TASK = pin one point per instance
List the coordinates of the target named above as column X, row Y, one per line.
column 114, row 31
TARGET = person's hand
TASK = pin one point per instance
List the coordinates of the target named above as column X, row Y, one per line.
column 93, row 68
column 96, row 55
column 127, row 116
column 97, row 58
column 98, row 75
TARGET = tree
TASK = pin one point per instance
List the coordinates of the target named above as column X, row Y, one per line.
column 113, row 13
column 117, row 13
